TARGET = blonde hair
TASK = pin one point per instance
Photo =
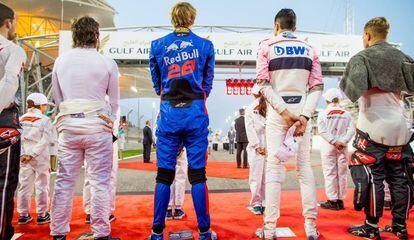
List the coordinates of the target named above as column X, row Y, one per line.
column 379, row 27
column 183, row 14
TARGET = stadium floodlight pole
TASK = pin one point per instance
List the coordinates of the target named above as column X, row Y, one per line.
column 139, row 121
column 152, row 115
column 61, row 15
column 127, row 135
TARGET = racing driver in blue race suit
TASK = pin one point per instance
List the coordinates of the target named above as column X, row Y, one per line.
column 182, row 69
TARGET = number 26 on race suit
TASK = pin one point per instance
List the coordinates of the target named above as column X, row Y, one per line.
column 175, row 70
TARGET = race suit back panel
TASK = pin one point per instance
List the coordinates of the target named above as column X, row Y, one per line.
column 290, row 65
column 182, row 68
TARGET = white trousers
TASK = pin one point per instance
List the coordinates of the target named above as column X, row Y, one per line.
column 335, row 171
column 275, row 174
column 73, row 150
column 256, row 178
column 178, row 186
column 34, row 173
column 87, row 183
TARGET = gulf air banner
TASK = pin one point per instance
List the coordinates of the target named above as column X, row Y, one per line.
column 228, row 46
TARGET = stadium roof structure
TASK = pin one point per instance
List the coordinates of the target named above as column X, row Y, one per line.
column 38, row 17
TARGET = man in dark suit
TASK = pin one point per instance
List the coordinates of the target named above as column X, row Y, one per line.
column 231, row 135
column 147, row 141
column 241, row 139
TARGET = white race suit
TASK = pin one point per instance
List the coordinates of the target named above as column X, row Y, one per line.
column 36, row 137
column 335, row 124
column 255, row 129
column 81, row 79
column 114, row 174
column 178, row 186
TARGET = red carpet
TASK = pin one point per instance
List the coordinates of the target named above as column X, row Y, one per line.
column 230, row 218
column 214, row 169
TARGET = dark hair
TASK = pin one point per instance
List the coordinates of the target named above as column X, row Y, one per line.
column 5, row 13
column 262, row 106
column 30, row 104
column 85, row 32
column 286, row 18
column 241, row 111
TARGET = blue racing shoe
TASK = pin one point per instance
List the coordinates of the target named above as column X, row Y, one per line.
column 209, row 235
column 179, row 214
column 156, row 236
column 169, row 215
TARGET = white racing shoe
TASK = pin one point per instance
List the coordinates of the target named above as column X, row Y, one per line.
column 266, row 234
column 310, row 230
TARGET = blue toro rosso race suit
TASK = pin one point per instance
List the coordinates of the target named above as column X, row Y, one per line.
column 182, row 70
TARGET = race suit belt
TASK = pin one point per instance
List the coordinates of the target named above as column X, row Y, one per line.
column 364, row 145
column 9, row 125
column 181, row 94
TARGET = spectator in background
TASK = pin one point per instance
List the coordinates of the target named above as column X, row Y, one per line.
column 241, row 139
column 121, row 141
column 147, row 141
column 53, row 143
column 210, row 140
column 231, row 135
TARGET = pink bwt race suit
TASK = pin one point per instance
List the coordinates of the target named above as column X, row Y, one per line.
column 289, row 77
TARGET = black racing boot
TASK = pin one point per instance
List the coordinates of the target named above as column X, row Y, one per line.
column 60, row 237
column 112, row 218
column 366, row 230
column 43, row 220
column 330, row 205
column 107, row 238
column 387, row 205
column 24, row 220
column 398, row 230
column 341, row 205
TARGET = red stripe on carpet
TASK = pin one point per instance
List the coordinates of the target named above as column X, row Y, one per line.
column 214, row 169
column 230, row 218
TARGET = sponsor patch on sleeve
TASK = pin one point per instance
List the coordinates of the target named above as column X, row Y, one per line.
column 292, row 99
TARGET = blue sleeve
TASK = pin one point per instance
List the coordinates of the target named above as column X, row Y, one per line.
column 155, row 70
column 208, row 73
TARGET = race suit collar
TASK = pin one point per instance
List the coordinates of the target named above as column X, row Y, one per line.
column 333, row 105
column 87, row 48
column 34, row 110
column 287, row 34
column 182, row 31
column 384, row 42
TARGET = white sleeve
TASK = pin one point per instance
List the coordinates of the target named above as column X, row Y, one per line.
column 57, row 91
column 9, row 84
column 350, row 130
column 22, row 150
column 250, row 129
column 323, row 128
column 44, row 142
column 312, row 100
column 270, row 95
column 113, row 88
